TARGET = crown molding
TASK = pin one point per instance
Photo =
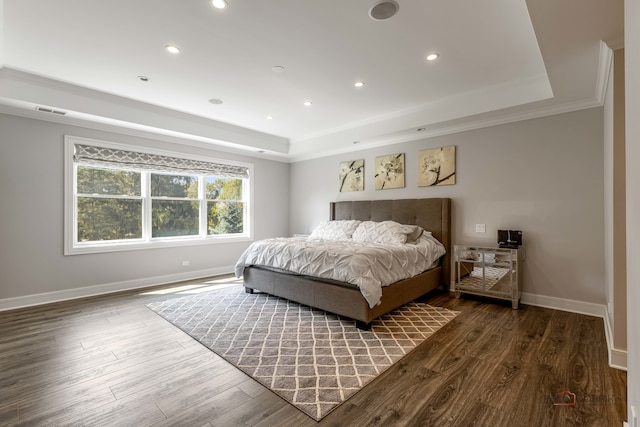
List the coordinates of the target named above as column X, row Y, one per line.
column 605, row 59
column 186, row 140
column 497, row 118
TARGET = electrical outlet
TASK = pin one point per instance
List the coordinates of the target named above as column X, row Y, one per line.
column 481, row 228
column 185, row 263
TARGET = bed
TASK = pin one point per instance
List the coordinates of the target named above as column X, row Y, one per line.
column 432, row 214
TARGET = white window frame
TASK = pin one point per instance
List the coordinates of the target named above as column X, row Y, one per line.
column 73, row 247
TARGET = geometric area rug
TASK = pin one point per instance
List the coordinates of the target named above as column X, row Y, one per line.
column 312, row 359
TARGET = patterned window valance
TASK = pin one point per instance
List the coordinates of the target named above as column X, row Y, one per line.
column 89, row 155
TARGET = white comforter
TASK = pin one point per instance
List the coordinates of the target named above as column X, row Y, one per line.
column 366, row 265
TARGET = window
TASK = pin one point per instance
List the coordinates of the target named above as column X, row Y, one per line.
column 108, row 204
column 175, row 205
column 121, row 197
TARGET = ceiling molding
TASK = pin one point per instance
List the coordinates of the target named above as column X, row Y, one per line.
column 439, row 129
column 604, row 68
column 505, row 117
column 186, row 140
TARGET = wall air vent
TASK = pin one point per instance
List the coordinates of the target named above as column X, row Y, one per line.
column 51, row 111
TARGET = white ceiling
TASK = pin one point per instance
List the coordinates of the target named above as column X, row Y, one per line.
column 501, row 60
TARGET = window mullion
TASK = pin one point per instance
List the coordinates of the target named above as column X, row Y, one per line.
column 246, row 218
column 202, row 197
column 145, row 183
column 75, row 204
column 107, row 196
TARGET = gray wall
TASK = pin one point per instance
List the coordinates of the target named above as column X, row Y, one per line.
column 543, row 176
column 31, row 215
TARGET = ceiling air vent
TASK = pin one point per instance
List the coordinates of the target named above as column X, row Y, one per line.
column 51, row 111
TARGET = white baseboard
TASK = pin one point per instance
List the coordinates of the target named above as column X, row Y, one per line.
column 107, row 288
column 617, row 358
column 580, row 307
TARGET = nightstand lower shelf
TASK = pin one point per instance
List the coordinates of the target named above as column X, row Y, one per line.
column 488, row 271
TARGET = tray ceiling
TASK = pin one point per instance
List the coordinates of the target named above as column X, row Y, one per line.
column 244, row 72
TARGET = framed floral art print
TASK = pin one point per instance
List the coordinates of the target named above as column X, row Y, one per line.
column 437, row 166
column 351, row 176
column 389, row 172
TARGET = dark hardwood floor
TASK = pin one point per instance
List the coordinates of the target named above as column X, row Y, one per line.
column 110, row 361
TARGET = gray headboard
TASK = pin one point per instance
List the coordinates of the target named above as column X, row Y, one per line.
column 433, row 215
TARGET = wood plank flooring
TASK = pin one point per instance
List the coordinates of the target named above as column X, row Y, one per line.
column 110, row 361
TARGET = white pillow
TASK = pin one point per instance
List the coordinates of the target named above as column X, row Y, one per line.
column 335, row 230
column 389, row 232
column 414, row 232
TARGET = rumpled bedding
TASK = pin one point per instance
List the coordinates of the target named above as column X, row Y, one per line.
column 369, row 266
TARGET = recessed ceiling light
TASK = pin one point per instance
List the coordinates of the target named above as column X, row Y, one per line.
column 356, row 142
column 383, row 10
column 269, row 117
column 171, row 48
column 421, row 129
column 277, row 69
column 219, row 4
column 358, row 84
column 215, row 101
column 308, row 103
column 433, row 56
column 143, row 78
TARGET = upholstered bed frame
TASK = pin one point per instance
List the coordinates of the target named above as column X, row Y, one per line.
column 431, row 214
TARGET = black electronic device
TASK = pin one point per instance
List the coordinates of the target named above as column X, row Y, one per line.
column 510, row 239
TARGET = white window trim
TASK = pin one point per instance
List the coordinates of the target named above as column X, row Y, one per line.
column 70, row 220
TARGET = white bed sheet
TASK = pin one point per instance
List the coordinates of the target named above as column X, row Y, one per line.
column 369, row 266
